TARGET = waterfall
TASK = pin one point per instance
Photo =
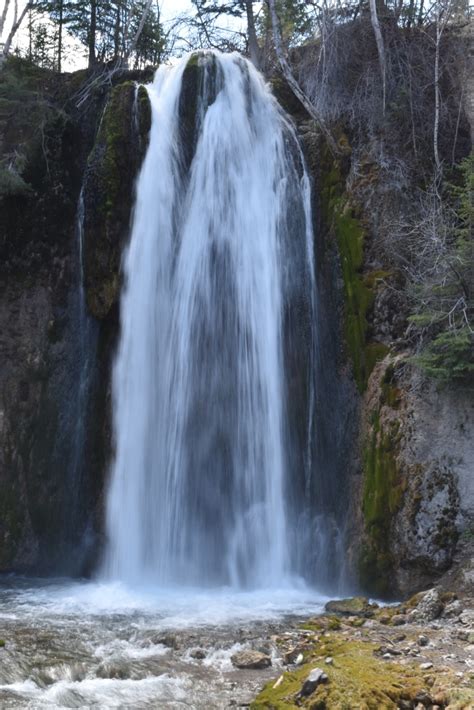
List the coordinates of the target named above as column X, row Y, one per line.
column 218, row 268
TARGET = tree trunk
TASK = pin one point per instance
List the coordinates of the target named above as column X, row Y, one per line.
column 292, row 82
column 117, row 34
column 254, row 49
column 92, row 33
column 380, row 47
column 3, row 16
column 60, row 35
column 141, row 25
column 437, row 96
column 15, row 27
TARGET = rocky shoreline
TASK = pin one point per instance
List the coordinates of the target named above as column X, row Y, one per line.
column 414, row 655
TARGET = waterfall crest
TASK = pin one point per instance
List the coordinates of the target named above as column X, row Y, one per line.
column 221, row 234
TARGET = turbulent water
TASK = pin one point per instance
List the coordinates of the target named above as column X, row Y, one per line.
column 220, row 252
column 82, row 645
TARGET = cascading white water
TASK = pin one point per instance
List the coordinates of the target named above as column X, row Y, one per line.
column 222, row 230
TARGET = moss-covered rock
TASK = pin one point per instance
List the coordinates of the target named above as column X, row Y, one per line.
column 199, row 86
column 348, row 227
column 350, row 606
column 109, row 191
column 382, row 489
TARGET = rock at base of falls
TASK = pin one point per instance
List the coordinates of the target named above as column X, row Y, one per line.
column 251, row 659
column 353, row 606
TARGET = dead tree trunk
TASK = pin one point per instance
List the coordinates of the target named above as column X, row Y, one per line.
column 141, row 25
column 254, row 49
column 15, row 28
column 3, row 16
column 380, row 47
column 293, row 83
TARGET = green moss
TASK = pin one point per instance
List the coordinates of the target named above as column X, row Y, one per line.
column 390, row 394
column 359, row 288
column 383, row 491
column 144, row 116
column 357, row 679
column 112, row 136
column 2, row 643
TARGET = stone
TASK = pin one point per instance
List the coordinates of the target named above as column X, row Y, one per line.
column 391, row 650
column 429, row 607
column 169, row 640
column 250, row 659
column 329, row 661
column 452, row 609
column 315, row 678
column 423, row 640
column 292, row 654
column 299, row 660
column 198, row 654
column 423, row 698
column 467, row 617
column 352, row 606
column 426, row 666
column 399, row 619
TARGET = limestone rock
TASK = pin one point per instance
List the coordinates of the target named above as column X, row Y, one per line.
column 429, row 608
column 467, row 617
column 250, row 659
column 453, row 609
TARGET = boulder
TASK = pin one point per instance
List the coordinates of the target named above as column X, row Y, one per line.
column 452, row 609
column 315, row 678
column 428, row 608
column 250, row 659
column 353, row 606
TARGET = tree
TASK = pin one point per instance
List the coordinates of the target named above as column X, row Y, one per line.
column 380, row 47
column 293, row 83
column 208, row 14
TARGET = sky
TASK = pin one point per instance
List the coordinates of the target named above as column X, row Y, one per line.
column 75, row 57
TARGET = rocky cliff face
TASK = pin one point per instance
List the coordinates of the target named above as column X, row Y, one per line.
column 410, row 477
column 52, row 454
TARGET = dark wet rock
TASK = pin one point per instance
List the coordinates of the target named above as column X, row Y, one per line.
column 399, row 619
column 118, row 670
column 168, row 640
column 250, row 659
column 109, row 192
column 292, row 654
column 198, row 653
column 315, row 678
